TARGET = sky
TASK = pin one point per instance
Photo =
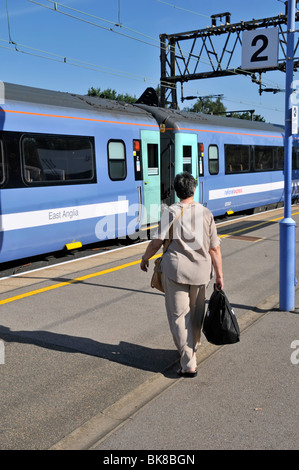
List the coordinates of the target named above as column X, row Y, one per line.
column 55, row 49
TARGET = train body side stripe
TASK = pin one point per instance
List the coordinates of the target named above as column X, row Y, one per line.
column 58, row 215
column 244, row 190
column 79, row 118
column 215, row 131
column 155, row 126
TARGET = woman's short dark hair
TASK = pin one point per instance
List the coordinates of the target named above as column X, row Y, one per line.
column 184, row 185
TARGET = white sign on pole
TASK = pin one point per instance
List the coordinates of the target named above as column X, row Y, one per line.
column 260, row 48
column 294, row 119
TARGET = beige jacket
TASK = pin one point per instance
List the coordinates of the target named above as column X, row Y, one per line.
column 187, row 259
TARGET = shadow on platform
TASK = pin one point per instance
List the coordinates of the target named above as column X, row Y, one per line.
column 130, row 354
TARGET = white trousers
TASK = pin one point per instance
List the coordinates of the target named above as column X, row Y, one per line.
column 185, row 307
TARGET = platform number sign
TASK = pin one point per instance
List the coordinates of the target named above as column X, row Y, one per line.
column 260, row 48
column 294, row 119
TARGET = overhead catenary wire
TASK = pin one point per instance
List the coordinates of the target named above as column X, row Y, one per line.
column 90, row 66
column 96, row 24
column 156, row 41
column 183, row 9
column 87, row 65
column 71, row 61
column 8, row 22
column 107, row 70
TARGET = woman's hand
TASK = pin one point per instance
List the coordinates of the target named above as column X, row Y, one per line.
column 144, row 265
column 151, row 250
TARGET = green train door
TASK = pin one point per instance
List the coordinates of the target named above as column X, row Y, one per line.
column 150, row 151
column 189, row 157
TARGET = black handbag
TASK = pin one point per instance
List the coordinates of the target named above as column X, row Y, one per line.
column 220, row 325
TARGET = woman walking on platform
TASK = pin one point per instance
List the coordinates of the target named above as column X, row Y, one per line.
column 187, row 267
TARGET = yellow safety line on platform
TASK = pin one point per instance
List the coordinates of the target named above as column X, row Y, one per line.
column 110, row 270
column 253, row 226
column 73, row 281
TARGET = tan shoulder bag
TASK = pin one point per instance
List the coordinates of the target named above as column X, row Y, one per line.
column 156, row 281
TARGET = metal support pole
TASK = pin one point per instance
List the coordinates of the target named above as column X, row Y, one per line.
column 287, row 225
column 163, row 70
column 174, row 99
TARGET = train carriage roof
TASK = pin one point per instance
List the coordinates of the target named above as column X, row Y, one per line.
column 39, row 96
column 174, row 119
column 177, row 119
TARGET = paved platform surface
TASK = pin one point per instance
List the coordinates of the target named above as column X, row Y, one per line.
column 244, row 397
column 90, row 363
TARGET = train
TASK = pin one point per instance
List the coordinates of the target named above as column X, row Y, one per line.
column 76, row 169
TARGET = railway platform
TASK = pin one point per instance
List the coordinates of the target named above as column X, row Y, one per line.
column 90, row 364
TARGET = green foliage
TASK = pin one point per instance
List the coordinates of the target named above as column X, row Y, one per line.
column 247, row 115
column 208, row 106
column 110, row 94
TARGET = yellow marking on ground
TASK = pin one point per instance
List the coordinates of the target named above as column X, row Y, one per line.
column 72, row 281
column 253, row 226
column 111, row 270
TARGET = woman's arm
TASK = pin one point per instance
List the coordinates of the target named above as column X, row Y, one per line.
column 151, row 250
column 217, row 263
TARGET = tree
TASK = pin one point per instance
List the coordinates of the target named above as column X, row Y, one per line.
column 247, row 115
column 208, row 106
column 110, row 94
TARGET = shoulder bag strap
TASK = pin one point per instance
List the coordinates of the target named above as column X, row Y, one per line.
column 168, row 240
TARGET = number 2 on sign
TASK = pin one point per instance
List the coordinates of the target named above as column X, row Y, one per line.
column 260, row 48
column 256, row 57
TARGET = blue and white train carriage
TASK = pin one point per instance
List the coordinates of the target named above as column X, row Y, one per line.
column 79, row 169
column 70, row 170
column 238, row 163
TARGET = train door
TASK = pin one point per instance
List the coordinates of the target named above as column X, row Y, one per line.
column 189, row 157
column 150, row 151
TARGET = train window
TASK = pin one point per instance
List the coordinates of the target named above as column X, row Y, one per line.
column 237, row 158
column 280, row 158
column 263, row 158
column 187, row 158
column 295, row 159
column 153, row 159
column 213, row 160
column 57, row 159
column 117, row 163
